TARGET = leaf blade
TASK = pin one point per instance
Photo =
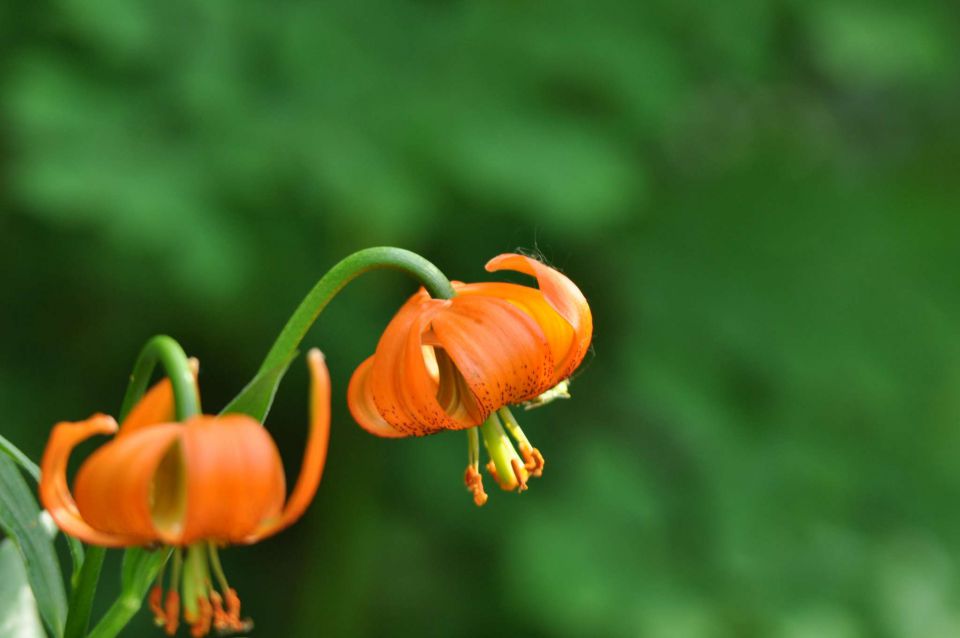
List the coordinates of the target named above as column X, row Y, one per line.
column 20, row 520
column 18, row 607
column 257, row 396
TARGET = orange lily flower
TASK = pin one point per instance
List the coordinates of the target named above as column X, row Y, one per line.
column 200, row 484
column 450, row 364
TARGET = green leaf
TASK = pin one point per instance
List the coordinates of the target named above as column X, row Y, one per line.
column 20, row 520
column 28, row 466
column 18, row 607
column 256, row 398
column 21, row 459
column 140, row 567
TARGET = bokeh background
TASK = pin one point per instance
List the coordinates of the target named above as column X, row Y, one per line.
column 759, row 198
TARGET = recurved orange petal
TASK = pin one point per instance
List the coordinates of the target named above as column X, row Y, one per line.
column 116, row 485
column 563, row 295
column 315, row 454
column 403, row 389
column 234, row 479
column 54, row 490
column 499, row 350
column 557, row 330
column 362, row 406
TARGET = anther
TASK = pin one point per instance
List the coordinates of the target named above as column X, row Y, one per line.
column 474, row 482
column 220, row 619
column 201, row 626
column 233, row 612
column 492, row 469
column 533, row 460
column 520, row 472
column 172, row 609
column 156, row 606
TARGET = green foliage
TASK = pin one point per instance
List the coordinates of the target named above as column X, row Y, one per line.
column 20, row 521
column 758, row 198
column 18, row 607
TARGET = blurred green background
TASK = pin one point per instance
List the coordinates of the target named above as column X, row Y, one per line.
column 760, row 199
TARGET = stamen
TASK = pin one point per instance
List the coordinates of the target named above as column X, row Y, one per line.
column 233, row 613
column 156, row 598
column 172, row 609
column 218, row 568
column 472, row 477
column 172, row 604
column 518, row 471
column 474, row 482
column 201, row 626
column 532, row 459
column 156, row 606
column 502, row 455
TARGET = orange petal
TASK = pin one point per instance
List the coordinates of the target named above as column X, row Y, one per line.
column 362, row 406
column 558, row 332
column 403, row 389
column 315, row 454
column 234, row 479
column 156, row 406
column 115, row 486
column 563, row 295
column 54, row 491
column 499, row 349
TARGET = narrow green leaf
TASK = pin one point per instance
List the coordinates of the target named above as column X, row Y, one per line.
column 140, row 569
column 257, row 397
column 21, row 459
column 20, row 520
column 18, row 608
column 11, row 450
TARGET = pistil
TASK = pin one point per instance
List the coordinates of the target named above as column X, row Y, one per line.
column 505, row 464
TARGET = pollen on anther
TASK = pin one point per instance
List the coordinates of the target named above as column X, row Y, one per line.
column 518, row 472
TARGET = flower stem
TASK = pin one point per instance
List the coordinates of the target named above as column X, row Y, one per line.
column 345, row 271
column 121, row 612
column 164, row 350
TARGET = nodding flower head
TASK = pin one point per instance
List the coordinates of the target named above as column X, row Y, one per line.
column 453, row 364
column 196, row 485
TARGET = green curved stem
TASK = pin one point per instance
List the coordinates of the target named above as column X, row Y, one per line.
column 166, row 351
column 120, row 614
column 160, row 349
column 345, row 271
column 257, row 396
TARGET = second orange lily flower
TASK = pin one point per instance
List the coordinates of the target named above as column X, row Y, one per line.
column 201, row 484
column 450, row 364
